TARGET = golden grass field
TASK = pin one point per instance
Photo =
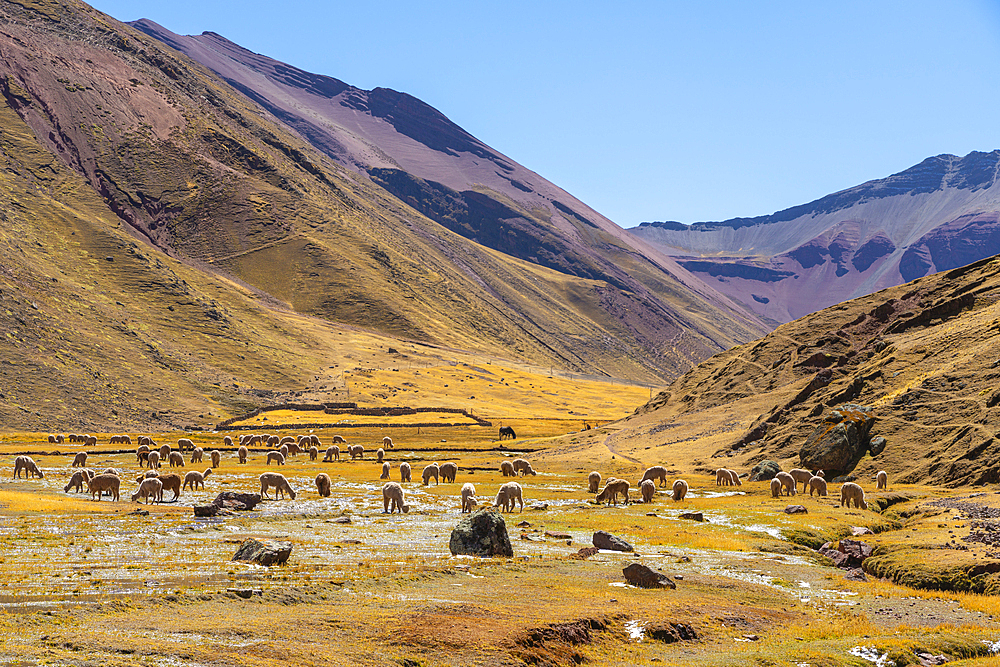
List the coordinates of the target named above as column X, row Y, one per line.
column 103, row 583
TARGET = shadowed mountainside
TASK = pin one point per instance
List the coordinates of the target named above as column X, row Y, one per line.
column 922, row 356
column 149, row 203
column 938, row 215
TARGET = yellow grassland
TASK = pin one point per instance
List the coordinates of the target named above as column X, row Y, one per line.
column 384, row 589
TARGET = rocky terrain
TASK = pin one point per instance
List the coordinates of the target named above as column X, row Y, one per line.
column 903, row 380
column 169, row 246
column 938, row 215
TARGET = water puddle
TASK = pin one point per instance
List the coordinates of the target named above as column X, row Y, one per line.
column 870, row 654
column 636, row 630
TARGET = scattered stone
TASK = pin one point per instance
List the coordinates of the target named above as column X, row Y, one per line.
column 679, row 577
column 605, row 540
column 342, row 519
column 849, row 554
column 585, row 553
column 351, row 541
column 645, row 577
column 796, row 509
column 928, row 660
column 142, row 512
column 559, row 535
column 529, row 538
column 210, row 511
column 860, row 530
column 539, row 506
column 263, row 552
column 524, row 524
column 877, row 445
column 693, row 516
column 751, row 638
column 668, row 633
column 856, row 574
column 651, row 514
column 245, row 593
column 483, row 533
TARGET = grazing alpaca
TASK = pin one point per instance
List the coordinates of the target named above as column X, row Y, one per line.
column 851, row 492
column 594, row 481
column 392, row 494
column 506, row 496
column 612, row 489
column 655, row 473
column 323, row 484
column 468, row 497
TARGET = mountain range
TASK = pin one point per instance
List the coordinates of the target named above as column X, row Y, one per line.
column 938, row 215
column 179, row 245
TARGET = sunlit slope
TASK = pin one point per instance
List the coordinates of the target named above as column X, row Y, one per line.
column 923, row 356
column 187, row 167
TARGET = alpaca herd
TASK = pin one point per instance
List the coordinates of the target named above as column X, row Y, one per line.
column 153, row 483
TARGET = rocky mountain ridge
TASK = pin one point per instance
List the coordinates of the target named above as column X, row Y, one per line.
column 938, row 215
column 914, row 366
column 172, row 253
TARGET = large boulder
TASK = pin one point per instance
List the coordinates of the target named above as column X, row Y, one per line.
column 607, row 541
column 764, row 470
column 263, row 552
column 642, row 576
column 839, row 442
column 483, row 533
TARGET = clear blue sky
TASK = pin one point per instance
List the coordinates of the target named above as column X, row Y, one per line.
column 658, row 110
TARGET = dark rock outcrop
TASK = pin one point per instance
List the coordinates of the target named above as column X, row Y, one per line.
column 764, row 470
column 849, row 554
column 483, row 533
column 796, row 509
column 263, row 552
column 840, row 441
column 609, row 542
column 668, row 633
column 645, row 577
column 228, row 502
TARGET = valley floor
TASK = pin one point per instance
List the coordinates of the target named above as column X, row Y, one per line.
column 105, row 583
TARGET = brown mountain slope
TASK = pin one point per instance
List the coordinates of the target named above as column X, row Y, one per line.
column 923, row 356
column 192, row 168
column 415, row 152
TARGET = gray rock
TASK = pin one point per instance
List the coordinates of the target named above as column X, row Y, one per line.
column 609, row 542
column 877, row 445
column 263, row 552
column 796, row 509
column 483, row 533
column 693, row 516
column 764, row 470
column 839, row 442
column 645, row 577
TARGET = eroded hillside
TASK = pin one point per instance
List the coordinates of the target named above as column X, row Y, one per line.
column 922, row 356
column 207, row 202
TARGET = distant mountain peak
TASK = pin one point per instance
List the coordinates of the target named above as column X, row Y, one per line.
column 939, row 214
